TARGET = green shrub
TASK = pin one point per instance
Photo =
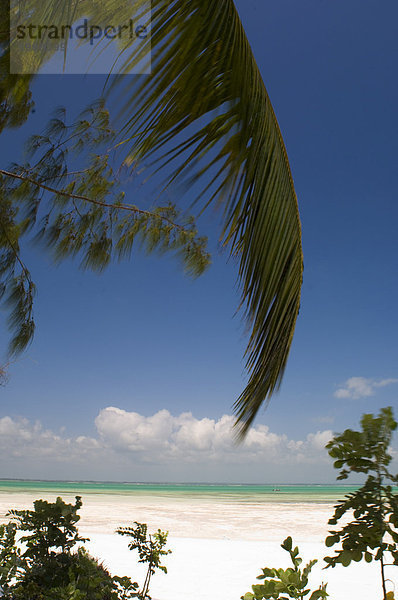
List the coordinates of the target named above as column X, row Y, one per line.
column 75, row 576
column 150, row 550
column 48, row 569
column 10, row 556
column 291, row 581
column 50, row 525
column 373, row 533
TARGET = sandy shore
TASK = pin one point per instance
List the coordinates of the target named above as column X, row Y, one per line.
column 219, row 547
column 206, row 569
column 194, row 517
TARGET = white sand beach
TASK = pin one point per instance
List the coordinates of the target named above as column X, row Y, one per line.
column 218, row 546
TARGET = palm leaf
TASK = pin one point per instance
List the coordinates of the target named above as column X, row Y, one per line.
column 206, row 96
column 204, row 117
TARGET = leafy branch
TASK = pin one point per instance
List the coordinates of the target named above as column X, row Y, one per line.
column 150, row 550
column 291, row 581
column 373, row 533
column 44, row 563
column 81, row 213
column 117, row 206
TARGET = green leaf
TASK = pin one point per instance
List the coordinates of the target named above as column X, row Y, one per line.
column 331, row 540
column 345, row 558
column 287, row 544
column 368, row 557
column 267, row 573
column 356, row 555
column 318, row 594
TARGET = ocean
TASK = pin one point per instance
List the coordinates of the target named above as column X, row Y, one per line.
column 261, row 493
column 212, row 511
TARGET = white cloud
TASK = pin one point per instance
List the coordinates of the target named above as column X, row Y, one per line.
column 21, row 439
column 130, row 446
column 165, row 438
column 361, row 387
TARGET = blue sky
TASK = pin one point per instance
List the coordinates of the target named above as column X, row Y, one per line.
column 144, row 338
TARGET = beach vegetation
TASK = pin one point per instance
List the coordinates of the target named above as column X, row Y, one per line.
column 10, row 556
column 49, row 561
column 150, row 547
column 50, row 526
column 372, row 534
column 66, row 576
column 283, row 584
column 204, row 124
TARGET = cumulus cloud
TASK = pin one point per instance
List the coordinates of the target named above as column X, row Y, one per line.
column 20, row 439
column 165, row 438
column 361, row 387
column 127, row 442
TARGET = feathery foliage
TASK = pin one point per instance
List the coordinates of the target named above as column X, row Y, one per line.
column 78, row 212
column 15, row 95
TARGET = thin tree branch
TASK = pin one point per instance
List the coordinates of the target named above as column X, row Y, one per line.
column 16, row 254
column 126, row 207
column 66, row 175
column 81, row 216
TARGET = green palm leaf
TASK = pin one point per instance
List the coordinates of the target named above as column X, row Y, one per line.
column 205, row 119
column 206, row 96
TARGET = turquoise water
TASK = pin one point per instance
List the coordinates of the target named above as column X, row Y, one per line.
column 243, row 492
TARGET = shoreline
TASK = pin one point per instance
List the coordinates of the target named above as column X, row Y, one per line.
column 200, row 518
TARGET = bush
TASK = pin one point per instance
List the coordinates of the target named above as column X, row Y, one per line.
column 372, row 534
column 75, row 576
column 291, row 581
column 48, row 569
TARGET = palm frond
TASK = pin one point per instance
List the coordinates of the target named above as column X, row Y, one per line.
column 206, row 96
column 205, row 114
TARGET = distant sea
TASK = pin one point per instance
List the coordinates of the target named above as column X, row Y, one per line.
column 279, row 493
